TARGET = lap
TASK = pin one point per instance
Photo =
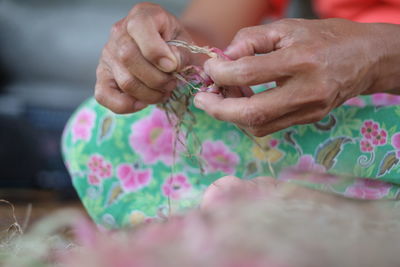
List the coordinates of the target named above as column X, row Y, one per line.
column 125, row 169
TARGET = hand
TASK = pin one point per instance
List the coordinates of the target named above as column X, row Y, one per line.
column 136, row 63
column 317, row 64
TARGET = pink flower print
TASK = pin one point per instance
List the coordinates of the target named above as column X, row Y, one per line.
column 83, row 124
column 382, row 99
column 133, row 180
column 273, row 143
column 95, row 162
column 93, row 179
column 355, row 102
column 366, row 146
column 396, row 141
column 153, row 138
column 379, row 138
column 176, row 186
column 105, row 170
column 368, row 128
column 368, row 189
column 219, row 157
column 100, row 167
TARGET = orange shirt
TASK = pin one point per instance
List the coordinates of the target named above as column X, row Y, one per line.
column 358, row 10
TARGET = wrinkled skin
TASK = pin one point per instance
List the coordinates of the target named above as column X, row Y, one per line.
column 136, row 66
column 136, row 63
column 317, row 64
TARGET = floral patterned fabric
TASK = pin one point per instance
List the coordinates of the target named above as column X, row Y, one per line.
column 130, row 168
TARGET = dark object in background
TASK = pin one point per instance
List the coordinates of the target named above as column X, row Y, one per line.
column 20, row 159
column 49, row 51
column 30, row 155
column 301, row 9
column 49, row 124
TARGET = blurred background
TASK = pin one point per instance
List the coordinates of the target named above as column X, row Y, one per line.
column 48, row 55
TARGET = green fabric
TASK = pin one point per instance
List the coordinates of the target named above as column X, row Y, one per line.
column 121, row 165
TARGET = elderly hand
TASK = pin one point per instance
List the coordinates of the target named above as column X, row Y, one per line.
column 136, row 63
column 317, row 64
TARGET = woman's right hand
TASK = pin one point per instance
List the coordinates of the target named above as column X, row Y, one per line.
column 136, row 63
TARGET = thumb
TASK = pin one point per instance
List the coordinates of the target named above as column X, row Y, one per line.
column 182, row 55
column 226, row 109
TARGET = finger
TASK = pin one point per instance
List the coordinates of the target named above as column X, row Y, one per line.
column 150, row 26
column 306, row 115
column 130, row 57
column 254, row 40
column 252, row 111
column 108, row 94
column 253, row 70
column 132, row 86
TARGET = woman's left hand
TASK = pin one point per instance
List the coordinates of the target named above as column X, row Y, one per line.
column 317, row 65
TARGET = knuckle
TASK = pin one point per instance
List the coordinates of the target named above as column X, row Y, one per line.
column 128, row 84
column 251, row 117
column 307, row 61
column 126, row 54
column 244, row 33
column 117, row 27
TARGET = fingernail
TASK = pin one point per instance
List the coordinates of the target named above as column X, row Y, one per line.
column 139, row 105
column 167, row 64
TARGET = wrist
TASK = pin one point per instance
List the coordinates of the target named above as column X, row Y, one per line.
column 385, row 40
